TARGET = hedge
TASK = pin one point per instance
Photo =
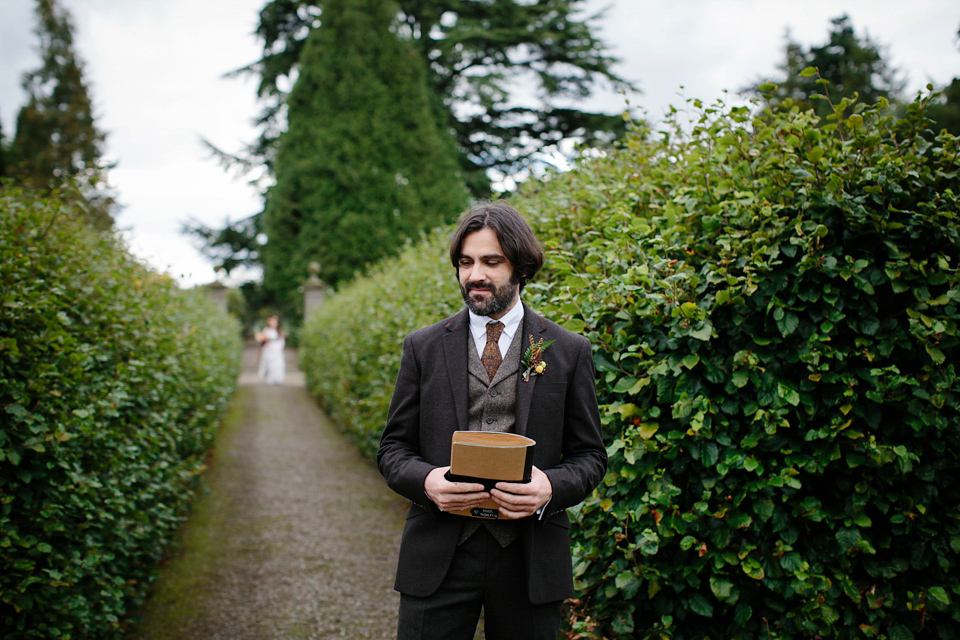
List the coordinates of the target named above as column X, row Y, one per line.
column 773, row 303
column 350, row 351
column 112, row 384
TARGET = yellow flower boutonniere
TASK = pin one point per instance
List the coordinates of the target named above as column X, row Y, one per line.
column 532, row 361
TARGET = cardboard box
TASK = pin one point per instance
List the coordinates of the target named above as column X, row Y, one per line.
column 489, row 457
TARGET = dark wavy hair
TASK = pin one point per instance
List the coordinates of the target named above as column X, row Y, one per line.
column 516, row 238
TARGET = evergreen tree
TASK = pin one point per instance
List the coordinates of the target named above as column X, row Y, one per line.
column 474, row 53
column 3, row 152
column 363, row 165
column 849, row 65
column 56, row 139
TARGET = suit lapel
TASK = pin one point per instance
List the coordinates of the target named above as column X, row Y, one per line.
column 532, row 325
column 455, row 357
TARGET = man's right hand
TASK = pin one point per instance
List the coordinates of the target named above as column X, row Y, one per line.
column 453, row 496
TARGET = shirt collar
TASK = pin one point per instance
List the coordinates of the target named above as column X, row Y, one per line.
column 511, row 322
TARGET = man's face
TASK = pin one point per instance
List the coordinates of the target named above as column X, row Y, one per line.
column 486, row 276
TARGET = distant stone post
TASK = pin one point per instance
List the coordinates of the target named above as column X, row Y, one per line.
column 218, row 293
column 314, row 291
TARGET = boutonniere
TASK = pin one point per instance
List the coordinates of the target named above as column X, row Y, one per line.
column 532, row 361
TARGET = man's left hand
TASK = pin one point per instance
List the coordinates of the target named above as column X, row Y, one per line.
column 522, row 500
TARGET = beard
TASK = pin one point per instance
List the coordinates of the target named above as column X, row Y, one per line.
column 498, row 302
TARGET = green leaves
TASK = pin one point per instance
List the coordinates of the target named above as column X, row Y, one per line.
column 773, row 301
column 112, row 384
column 775, row 342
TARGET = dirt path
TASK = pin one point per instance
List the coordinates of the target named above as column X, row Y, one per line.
column 296, row 537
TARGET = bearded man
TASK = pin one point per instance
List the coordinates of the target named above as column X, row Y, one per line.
column 466, row 373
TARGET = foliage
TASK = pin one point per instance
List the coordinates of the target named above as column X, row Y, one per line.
column 350, row 349
column 3, row 152
column 945, row 112
column 235, row 245
column 112, row 383
column 848, row 67
column 57, row 140
column 773, row 304
column 474, row 53
column 363, row 165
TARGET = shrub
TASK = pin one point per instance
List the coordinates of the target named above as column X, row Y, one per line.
column 112, row 382
column 351, row 345
column 773, row 302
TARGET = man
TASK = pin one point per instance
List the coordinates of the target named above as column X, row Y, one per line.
column 460, row 375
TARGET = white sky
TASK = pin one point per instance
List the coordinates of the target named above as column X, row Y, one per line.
column 155, row 67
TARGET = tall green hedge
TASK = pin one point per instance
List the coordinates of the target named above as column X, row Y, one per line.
column 112, row 383
column 351, row 346
column 773, row 303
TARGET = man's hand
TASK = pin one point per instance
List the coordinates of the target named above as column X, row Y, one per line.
column 522, row 500
column 453, row 496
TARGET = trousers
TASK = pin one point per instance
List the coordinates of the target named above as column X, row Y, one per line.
column 483, row 576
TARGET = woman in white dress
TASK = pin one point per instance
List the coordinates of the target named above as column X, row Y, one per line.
column 272, row 365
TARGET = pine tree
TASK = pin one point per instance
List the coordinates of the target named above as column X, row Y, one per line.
column 363, row 165
column 57, row 140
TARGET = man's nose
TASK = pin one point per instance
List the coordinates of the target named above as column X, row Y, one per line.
column 477, row 273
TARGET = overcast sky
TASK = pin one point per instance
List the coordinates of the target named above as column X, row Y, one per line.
column 155, row 67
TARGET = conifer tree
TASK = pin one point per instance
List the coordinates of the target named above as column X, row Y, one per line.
column 945, row 113
column 848, row 63
column 56, row 139
column 475, row 55
column 3, row 153
column 363, row 165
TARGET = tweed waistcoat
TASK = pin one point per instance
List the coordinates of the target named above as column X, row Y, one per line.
column 492, row 407
column 492, row 403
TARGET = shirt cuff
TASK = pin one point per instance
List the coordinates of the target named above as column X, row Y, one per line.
column 542, row 510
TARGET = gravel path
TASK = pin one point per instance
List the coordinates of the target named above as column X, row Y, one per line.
column 296, row 536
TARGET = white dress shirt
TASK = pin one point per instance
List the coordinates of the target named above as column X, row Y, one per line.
column 511, row 323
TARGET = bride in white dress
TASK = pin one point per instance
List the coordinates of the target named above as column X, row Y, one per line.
column 272, row 365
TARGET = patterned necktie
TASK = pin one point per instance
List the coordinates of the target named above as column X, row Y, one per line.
column 491, row 357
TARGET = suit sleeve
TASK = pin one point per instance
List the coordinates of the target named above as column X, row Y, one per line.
column 399, row 458
column 584, row 457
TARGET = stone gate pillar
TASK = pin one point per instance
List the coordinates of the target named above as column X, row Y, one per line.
column 217, row 292
column 314, row 290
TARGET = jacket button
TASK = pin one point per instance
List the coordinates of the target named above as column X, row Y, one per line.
column 489, row 420
column 493, row 392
